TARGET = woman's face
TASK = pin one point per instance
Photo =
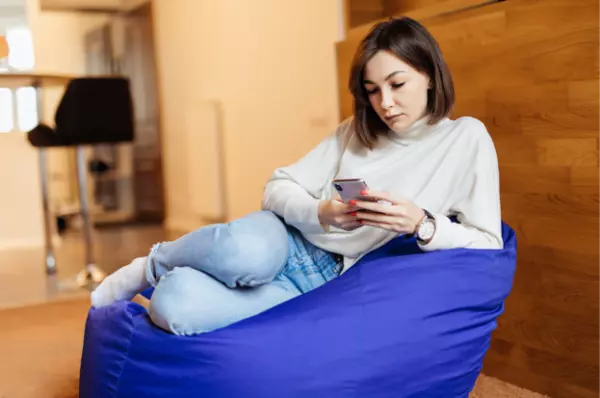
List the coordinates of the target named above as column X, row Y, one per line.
column 397, row 91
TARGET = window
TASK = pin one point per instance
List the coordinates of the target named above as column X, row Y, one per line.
column 6, row 110
column 21, row 48
column 18, row 108
column 26, row 108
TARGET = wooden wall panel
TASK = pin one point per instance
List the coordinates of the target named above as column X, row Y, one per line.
column 360, row 12
column 426, row 8
column 365, row 12
column 529, row 70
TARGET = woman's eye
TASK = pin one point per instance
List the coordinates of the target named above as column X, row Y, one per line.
column 397, row 85
column 372, row 91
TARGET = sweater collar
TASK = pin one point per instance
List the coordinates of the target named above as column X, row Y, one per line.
column 418, row 131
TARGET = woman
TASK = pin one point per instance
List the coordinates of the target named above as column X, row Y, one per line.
column 400, row 141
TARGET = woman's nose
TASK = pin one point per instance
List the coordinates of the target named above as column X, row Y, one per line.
column 387, row 100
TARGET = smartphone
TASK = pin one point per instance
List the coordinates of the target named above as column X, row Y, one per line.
column 349, row 189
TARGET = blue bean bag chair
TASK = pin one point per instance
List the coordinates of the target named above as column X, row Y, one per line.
column 400, row 323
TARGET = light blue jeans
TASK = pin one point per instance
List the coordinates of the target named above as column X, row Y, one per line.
column 223, row 273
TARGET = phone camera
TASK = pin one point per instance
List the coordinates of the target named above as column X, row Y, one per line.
column 338, row 187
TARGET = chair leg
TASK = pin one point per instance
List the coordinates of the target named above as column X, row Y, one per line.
column 91, row 273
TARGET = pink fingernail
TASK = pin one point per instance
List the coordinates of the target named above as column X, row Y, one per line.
column 364, row 192
column 352, row 202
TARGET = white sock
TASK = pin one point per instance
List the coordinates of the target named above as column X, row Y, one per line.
column 123, row 284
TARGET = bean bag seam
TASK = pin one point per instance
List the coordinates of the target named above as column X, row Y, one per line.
column 125, row 359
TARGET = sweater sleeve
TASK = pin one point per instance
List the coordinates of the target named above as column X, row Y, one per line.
column 293, row 192
column 478, row 209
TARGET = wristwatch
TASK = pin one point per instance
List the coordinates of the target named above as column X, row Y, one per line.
column 425, row 228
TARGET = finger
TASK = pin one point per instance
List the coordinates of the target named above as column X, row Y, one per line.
column 347, row 218
column 343, row 207
column 377, row 217
column 358, row 211
column 378, row 195
column 350, row 208
column 377, row 207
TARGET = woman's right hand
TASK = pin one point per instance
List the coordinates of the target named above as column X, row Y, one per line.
column 338, row 214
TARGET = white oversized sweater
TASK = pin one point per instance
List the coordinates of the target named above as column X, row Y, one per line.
column 450, row 168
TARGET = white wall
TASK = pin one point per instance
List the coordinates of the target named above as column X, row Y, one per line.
column 270, row 64
column 20, row 204
column 12, row 13
column 58, row 48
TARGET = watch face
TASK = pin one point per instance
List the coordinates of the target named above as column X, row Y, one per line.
column 427, row 229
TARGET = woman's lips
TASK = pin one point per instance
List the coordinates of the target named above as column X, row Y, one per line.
column 393, row 117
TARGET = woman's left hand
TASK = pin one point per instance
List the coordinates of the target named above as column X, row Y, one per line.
column 401, row 216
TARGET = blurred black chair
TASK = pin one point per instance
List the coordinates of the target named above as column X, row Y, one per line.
column 93, row 110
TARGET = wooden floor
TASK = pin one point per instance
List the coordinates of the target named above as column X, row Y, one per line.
column 23, row 280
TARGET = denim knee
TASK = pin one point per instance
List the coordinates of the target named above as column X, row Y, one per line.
column 248, row 251
column 187, row 302
column 178, row 299
column 253, row 251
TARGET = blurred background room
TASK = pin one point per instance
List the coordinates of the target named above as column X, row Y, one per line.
column 225, row 91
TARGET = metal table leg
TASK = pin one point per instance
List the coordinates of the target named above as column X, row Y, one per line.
column 48, row 250
column 91, row 274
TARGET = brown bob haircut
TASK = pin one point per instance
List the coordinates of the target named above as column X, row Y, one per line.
column 412, row 43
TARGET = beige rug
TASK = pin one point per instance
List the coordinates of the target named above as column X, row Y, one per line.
column 40, row 350
column 488, row 387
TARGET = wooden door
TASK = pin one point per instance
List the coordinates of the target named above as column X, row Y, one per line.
column 108, row 194
column 138, row 63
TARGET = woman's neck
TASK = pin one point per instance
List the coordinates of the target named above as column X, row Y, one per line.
column 414, row 133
